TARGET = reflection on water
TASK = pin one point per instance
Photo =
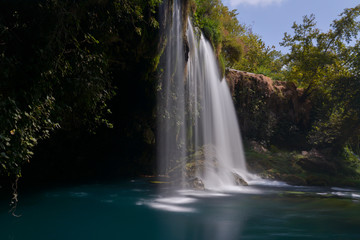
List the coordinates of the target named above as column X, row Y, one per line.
column 136, row 210
column 172, row 204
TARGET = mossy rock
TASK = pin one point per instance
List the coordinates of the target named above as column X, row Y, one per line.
column 294, row 180
column 315, row 180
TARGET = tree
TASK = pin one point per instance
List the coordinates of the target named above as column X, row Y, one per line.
column 316, row 58
column 259, row 58
column 326, row 66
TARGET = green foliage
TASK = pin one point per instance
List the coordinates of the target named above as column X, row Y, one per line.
column 291, row 167
column 240, row 47
column 233, row 49
column 310, row 60
column 59, row 64
column 133, row 12
column 352, row 158
column 326, row 65
column 324, row 133
column 317, row 58
column 21, row 131
column 207, row 18
column 222, row 65
column 259, row 58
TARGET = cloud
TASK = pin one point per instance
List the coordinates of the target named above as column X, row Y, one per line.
column 262, row 3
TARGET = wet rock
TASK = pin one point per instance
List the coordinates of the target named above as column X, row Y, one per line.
column 196, row 163
column 257, row 147
column 196, row 183
column 239, row 180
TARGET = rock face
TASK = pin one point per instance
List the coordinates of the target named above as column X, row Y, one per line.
column 269, row 111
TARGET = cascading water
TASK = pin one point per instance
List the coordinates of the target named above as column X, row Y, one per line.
column 171, row 140
column 198, row 133
column 217, row 125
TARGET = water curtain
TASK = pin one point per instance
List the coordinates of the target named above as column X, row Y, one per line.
column 199, row 142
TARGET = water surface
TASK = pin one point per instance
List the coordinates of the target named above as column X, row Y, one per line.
column 136, row 210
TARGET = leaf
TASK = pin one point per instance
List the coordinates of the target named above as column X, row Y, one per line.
column 4, row 155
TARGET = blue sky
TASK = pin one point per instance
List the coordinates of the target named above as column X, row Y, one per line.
column 272, row 18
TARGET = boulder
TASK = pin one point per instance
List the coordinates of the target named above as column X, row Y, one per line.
column 239, row 181
column 315, row 161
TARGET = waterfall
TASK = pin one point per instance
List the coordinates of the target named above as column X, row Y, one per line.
column 198, row 134
column 171, row 125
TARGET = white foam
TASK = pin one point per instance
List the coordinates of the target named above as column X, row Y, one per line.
column 322, row 194
column 340, row 194
column 242, row 189
column 176, row 200
column 171, row 204
column 357, row 196
column 202, row 193
column 170, row 207
column 265, row 182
